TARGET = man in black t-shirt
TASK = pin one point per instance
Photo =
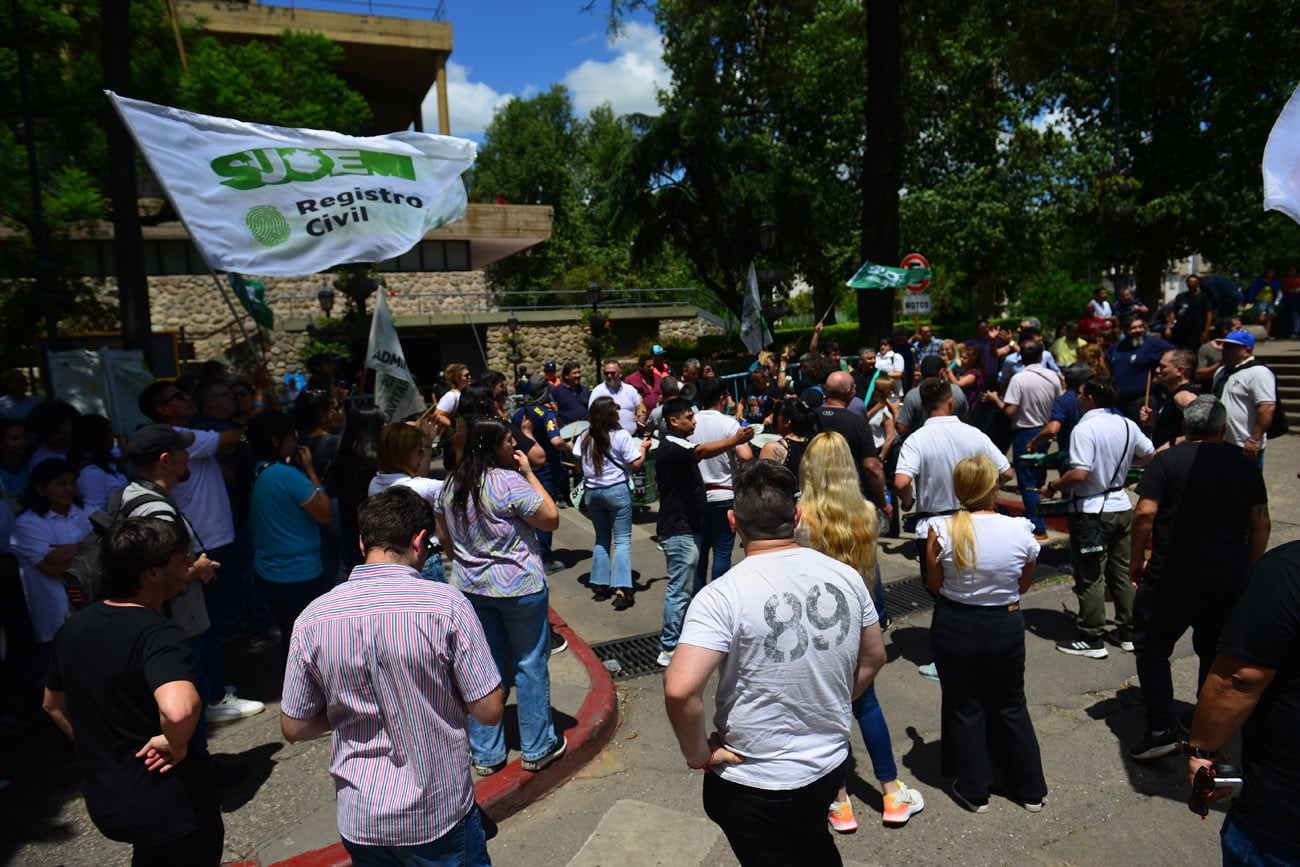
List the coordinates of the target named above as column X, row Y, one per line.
column 121, row 680
column 1255, row 685
column 833, row 415
column 682, row 510
column 762, row 397
column 1208, row 507
column 1193, row 312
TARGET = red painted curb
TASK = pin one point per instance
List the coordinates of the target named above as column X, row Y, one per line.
column 510, row 790
column 1016, row 508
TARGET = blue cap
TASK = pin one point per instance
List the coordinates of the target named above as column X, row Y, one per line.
column 1241, row 338
column 657, row 349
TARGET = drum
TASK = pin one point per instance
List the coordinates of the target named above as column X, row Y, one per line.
column 763, row 439
column 571, row 430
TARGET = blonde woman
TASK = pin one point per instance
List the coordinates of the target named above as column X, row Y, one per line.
column 948, row 354
column 840, row 523
column 979, row 562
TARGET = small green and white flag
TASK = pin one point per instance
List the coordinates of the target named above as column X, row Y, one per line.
column 252, row 295
column 395, row 392
column 283, row 202
column 873, row 276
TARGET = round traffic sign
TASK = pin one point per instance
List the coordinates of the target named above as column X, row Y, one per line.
column 916, row 260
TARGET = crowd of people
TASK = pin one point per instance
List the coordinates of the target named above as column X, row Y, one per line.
column 411, row 640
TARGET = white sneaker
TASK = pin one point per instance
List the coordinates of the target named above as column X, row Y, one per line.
column 902, row 805
column 232, row 707
column 664, row 657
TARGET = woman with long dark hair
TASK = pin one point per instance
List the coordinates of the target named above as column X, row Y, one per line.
column 99, row 475
column 792, row 419
column 316, row 416
column 45, row 539
column 287, row 505
column 978, row 563
column 837, row 521
column 487, row 513
column 609, row 457
column 356, row 465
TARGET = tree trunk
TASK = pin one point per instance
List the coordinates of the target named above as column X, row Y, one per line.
column 1150, row 285
column 882, row 170
column 128, row 242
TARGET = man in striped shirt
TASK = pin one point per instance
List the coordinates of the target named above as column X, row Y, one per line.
column 394, row 665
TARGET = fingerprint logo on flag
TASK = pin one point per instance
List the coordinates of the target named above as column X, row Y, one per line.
column 267, row 225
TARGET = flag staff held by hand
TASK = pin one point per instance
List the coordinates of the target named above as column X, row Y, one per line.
column 221, row 287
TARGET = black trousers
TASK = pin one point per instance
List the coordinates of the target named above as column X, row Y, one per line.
column 776, row 828
column 287, row 599
column 201, row 847
column 1162, row 612
column 986, row 729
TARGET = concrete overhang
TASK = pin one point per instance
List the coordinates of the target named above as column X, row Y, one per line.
column 392, row 62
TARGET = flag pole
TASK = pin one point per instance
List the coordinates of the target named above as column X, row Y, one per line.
column 221, row 287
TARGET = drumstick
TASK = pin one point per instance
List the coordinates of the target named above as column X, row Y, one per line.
column 1146, row 401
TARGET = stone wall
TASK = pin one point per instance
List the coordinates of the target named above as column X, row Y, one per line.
column 554, row 341
column 687, row 330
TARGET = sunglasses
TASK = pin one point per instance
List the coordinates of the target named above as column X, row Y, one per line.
column 241, row 393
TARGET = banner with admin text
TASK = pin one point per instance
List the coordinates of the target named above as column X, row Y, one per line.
column 284, row 202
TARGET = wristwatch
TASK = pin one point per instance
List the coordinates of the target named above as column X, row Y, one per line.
column 1192, row 752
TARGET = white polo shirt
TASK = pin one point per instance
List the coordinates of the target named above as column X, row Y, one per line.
column 929, row 455
column 203, row 498
column 1033, row 391
column 627, row 399
column 1242, row 396
column 1105, row 443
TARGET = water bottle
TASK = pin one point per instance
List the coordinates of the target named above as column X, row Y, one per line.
column 884, row 519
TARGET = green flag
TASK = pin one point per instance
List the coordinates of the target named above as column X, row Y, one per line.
column 252, row 294
column 873, row 276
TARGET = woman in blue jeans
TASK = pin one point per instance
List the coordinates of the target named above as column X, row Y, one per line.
column 487, row 513
column 838, row 521
column 609, row 456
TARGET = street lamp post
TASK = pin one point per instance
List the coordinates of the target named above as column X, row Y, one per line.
column 514, row 357
column 593, row 295
column 325, row 297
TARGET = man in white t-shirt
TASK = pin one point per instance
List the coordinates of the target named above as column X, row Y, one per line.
column 1103, row 447
column 631, row 411
column 793, row 636
column 891, row 363
column 1028, row 402
column 928, row 457
column 204, row 502
column 713, row 423
column 1248, row 391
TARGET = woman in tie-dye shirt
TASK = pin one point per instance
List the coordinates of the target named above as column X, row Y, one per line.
column 487, row 512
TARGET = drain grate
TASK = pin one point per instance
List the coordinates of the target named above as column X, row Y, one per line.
column 626, row 658
column 630, row 657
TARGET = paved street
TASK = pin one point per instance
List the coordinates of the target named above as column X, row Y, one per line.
column 637, row 803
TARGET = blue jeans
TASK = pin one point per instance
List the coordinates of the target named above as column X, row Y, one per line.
column 683, row 553
column 610, row 510
column 221, row 594
column 1242, row 850
column 465, row 844
column 718, row 537
column 1028, row 479
column 433, row 569
column 519, row 636
column 875, row 733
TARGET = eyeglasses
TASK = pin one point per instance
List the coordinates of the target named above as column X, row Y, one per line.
column 241, row 393
column 609, row 373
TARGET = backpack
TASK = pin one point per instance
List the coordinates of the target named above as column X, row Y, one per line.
column 1279, row 426
column 83, row 579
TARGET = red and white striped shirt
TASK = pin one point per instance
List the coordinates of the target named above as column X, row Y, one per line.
column 392, row 658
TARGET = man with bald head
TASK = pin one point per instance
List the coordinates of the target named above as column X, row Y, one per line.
column 833, row 415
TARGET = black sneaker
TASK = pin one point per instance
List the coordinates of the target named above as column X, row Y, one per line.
column 623, row 600
column 556, row 752
column 1154, row 745
column 1083, row 647
column 559, row 643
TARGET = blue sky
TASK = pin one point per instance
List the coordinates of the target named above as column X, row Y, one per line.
column 509, row 48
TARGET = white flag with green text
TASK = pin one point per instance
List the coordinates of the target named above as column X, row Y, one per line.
column 283, row 202
column 395, row 391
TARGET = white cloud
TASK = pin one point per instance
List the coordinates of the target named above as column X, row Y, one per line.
column 627, row 82
column 470, row 103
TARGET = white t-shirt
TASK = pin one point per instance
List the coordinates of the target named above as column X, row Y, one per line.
column 429, row 489
column 203, row 499
column 790, row 623
column 929, row 456
column 718, row 471
column 1098, row 446
column 33, row 536
column 627, row 398
column 1242, row 396
column 449, row 401
column 623, row 450
column 1032, row 391
column 96, row 485
column 1003, row 546
column 1100, row 309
